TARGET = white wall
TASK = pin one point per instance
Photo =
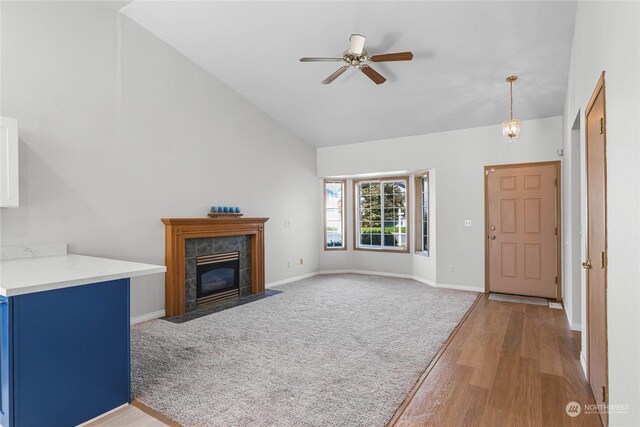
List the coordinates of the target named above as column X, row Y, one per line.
column 607, row 37
column 118, row 130
column 459, row 158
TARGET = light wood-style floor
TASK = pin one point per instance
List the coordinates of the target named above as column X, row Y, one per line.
column 128, row 416
column 507, row 365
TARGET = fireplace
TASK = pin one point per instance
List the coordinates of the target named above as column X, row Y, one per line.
column 217, row 277
column 184, row 242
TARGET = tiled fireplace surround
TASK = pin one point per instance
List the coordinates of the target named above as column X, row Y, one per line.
column 209, row 246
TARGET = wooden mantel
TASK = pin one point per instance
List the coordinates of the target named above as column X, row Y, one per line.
column 177, row 230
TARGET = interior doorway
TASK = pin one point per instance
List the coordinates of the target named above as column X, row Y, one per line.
column 522, row 215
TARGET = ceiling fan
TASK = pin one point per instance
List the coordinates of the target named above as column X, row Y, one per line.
column 357, row 57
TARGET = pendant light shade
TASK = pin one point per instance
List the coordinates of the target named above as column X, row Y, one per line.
column 511, row 127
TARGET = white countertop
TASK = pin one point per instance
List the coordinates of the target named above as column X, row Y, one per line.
column 45, row 273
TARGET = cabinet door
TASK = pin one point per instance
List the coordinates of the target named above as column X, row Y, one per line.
column 71, row 350
column 9, row 197
column 5, row 354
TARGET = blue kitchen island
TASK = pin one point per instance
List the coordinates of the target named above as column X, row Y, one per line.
column 64, row 335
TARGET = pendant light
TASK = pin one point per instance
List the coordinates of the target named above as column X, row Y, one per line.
column 511, row 128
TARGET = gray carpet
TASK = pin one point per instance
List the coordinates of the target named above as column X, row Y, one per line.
column 339, row 350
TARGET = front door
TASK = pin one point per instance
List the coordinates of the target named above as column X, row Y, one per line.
column 596, row 263
column 522, row 226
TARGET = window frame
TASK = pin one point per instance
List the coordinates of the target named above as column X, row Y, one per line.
column 342, row 182
column 356, row 216
column 418, row 191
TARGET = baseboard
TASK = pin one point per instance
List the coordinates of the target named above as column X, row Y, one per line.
column 289, row 280
column 573, row 325
column 583, row 363
column 124, row 405
column 566, row 312
column 147, row 316
column 459, row 287
column 367, row 273
column 425, row 281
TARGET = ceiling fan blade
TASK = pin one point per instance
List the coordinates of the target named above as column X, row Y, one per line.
column 373, row 75
column 357, row 43
column 320, row 59
column 399, row 56
column 335, row 75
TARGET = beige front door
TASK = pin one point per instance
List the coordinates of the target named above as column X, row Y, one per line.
column 522, row 226
column 596, row 263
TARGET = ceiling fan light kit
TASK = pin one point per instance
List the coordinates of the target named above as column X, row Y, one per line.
column 358, row 58
column 511, row 127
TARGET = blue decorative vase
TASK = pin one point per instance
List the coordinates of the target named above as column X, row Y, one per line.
column 237, row 210
column 225, row 209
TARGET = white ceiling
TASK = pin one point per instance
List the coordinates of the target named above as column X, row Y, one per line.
column 462, row 53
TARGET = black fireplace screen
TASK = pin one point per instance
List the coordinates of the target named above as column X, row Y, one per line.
column 217, row 273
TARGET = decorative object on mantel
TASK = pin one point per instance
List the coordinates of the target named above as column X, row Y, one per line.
column 224, row 211
column 224, row 215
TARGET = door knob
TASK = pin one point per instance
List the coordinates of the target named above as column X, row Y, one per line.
column 587, row 264
column 492, row 237
column 493, row 228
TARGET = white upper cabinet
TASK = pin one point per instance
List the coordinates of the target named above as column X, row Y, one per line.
column 9, row 197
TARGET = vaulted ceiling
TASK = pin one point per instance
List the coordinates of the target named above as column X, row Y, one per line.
column 463, row 51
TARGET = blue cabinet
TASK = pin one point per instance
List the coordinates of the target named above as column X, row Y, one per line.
column 64, row 355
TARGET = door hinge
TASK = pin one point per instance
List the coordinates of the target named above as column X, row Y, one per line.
column 556, row 280
column 556, row 231
column 604, row 394
column 603, row 260
column 555, row 182
column 601, row 125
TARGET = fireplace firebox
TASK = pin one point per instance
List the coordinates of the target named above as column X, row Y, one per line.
column 217, row 277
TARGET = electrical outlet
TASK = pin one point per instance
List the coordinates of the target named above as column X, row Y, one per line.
column 451, row 268
column 467, row 223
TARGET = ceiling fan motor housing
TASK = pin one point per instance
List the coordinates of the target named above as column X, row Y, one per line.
column 355, row 60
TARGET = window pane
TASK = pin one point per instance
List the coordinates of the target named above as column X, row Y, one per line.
column 388, row 201
column 388, row 188
column 390, row 240
column 334, row 214
column 391, row 227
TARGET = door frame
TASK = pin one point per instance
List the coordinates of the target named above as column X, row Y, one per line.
column 600, row 86
column 558, row 167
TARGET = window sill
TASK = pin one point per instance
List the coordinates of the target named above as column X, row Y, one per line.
column 344, row 248
column 422, row 253
column 386, row 250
